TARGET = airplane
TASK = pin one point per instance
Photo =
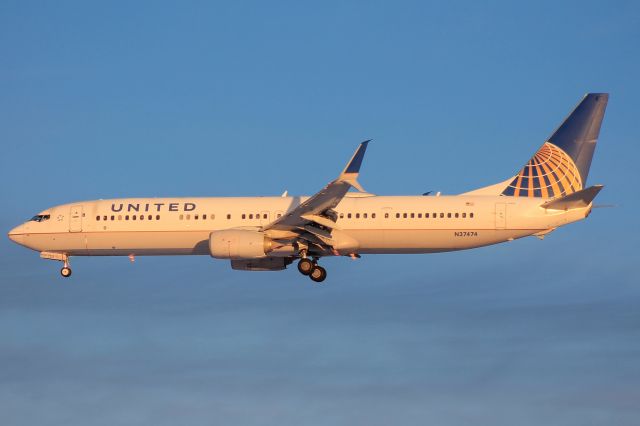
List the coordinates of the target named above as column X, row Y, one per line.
column 270, row 233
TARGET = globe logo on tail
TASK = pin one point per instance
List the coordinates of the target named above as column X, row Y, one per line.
column 550, row 173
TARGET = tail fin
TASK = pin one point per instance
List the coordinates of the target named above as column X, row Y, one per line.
column 561, row 165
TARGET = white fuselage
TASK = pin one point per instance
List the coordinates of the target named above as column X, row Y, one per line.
column 379, row 224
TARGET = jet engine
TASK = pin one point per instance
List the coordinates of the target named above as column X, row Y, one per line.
column 239, row 244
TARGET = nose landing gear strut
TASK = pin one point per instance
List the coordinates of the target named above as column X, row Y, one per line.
column 62, row 257
column 66, row 270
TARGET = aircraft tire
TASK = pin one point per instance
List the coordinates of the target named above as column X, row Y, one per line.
column 65, row 272
column 318, row 274
column 305, row 266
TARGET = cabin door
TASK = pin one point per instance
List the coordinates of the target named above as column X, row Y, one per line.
column 501, row 215
column 75, row 218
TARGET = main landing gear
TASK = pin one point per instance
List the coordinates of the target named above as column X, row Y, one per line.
column 311, row 268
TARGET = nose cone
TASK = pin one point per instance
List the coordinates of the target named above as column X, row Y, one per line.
column 16, row 235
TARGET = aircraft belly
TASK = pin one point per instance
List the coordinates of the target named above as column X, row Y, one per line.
column 197, row 242
column 430, row 240
column 148, row 243
column 123, row 243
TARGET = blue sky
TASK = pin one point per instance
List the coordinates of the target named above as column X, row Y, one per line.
column 252, row 98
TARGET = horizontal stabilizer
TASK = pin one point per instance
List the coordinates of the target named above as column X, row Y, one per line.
column 576, row 200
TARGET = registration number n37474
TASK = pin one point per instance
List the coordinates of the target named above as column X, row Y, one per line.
column 465, row 234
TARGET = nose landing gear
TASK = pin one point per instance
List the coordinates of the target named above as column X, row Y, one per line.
column 66, row 270
column 61, row 257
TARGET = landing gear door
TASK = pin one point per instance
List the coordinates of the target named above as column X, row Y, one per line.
column 501, row 215
column 75, row 218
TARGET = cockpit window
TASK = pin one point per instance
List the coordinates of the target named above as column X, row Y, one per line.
column 40, row 218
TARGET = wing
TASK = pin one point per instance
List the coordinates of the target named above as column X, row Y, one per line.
column 314, row 221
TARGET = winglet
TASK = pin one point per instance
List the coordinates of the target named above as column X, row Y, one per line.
column 352, row 170
column 576, row 200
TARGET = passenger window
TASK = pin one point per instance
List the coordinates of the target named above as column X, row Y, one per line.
column 157, row 217
column 126, row 217
column 419, row 215
column 449, row 215
column 426, row 215
column 195, row 217
column 364, row 215
column 181, row 217
column 341, row 215
column 149, row 217
column 133, row 217
column 397, row 215
column 113, row 217
column 441, row 215
column 413, row 215
column 357, row 215
column 104, row 217
column 97, row 217
column 457, row 215
column 348, row 215
column 265, row 216
column 141, row 217
column 404, row 215
column 279, row 215
column 119, row 217
column 464, row 215
column 373, row 215
column 244, row 216
column 251, row 216
column 471, row 215
column 386, row 215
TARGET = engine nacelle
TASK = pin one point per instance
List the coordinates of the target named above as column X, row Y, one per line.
column 239, row 244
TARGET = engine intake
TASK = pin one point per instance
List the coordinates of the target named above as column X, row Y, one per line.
column 239, row 244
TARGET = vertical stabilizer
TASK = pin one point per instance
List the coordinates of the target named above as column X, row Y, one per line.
column 561, row 165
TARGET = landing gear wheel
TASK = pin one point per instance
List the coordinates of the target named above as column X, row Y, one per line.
column 65, row 272
column 318, row 274
column 305, row 266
